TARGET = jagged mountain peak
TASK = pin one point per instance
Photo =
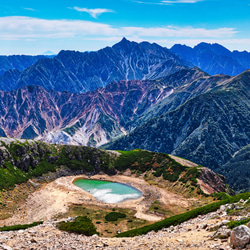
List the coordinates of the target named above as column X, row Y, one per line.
column 125, row 44
column 124, row 41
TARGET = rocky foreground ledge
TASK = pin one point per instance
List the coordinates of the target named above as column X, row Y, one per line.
column 204, row 232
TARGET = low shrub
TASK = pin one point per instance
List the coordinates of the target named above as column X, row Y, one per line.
column 233, row 224
column 220, row 196
column 20, row 227
column 114, row 216
column 80, row 225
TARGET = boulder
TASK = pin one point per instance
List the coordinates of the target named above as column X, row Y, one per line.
column 240, row 236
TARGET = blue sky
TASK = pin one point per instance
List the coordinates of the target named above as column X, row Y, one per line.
column 33, row 27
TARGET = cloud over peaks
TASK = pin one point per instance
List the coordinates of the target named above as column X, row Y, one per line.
column 21, row 27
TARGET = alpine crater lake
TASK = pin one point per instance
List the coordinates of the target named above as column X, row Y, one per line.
column 108, row 192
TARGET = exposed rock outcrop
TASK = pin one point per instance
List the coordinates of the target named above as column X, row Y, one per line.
column 240, row 237
column 210, row 182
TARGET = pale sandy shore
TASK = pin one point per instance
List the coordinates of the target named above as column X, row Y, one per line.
column 56, row 197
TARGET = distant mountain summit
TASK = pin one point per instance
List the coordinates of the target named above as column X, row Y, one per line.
column 214, row 58
column 49, row 53
column 78, row 72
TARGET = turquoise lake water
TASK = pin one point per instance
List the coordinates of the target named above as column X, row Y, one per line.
column 109, row 192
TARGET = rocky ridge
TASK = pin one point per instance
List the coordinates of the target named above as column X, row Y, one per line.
column 208, row 231
column 79, row 72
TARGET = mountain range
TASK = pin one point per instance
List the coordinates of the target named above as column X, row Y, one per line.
column 136, row 95
column 78, row 72
column 214, row 58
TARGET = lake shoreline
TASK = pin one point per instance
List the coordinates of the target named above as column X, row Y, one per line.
column 110, row 190
column 56, row 197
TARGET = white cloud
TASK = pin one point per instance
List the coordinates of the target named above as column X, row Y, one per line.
column 180, row 1
column 172, row 31
column 93, row 12
column 30, row 9
column 20, row 27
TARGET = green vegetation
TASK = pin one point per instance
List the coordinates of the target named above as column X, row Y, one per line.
column 9, row 176
column 43, row 167
column 192, row 175
column 22, row 160
column 27, row 159
column 19, row 227
column 97, row 216
column 177, row 219
column 114, row 216
column 80, row 225
column 163, row 165
column 220, row 196
column 233, row 224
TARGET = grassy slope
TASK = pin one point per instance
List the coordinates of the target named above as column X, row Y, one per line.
column 22, row 160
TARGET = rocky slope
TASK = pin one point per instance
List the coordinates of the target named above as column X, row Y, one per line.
column 214, row 58
column 81, row 72
column 94, row 118
column 208, row 231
